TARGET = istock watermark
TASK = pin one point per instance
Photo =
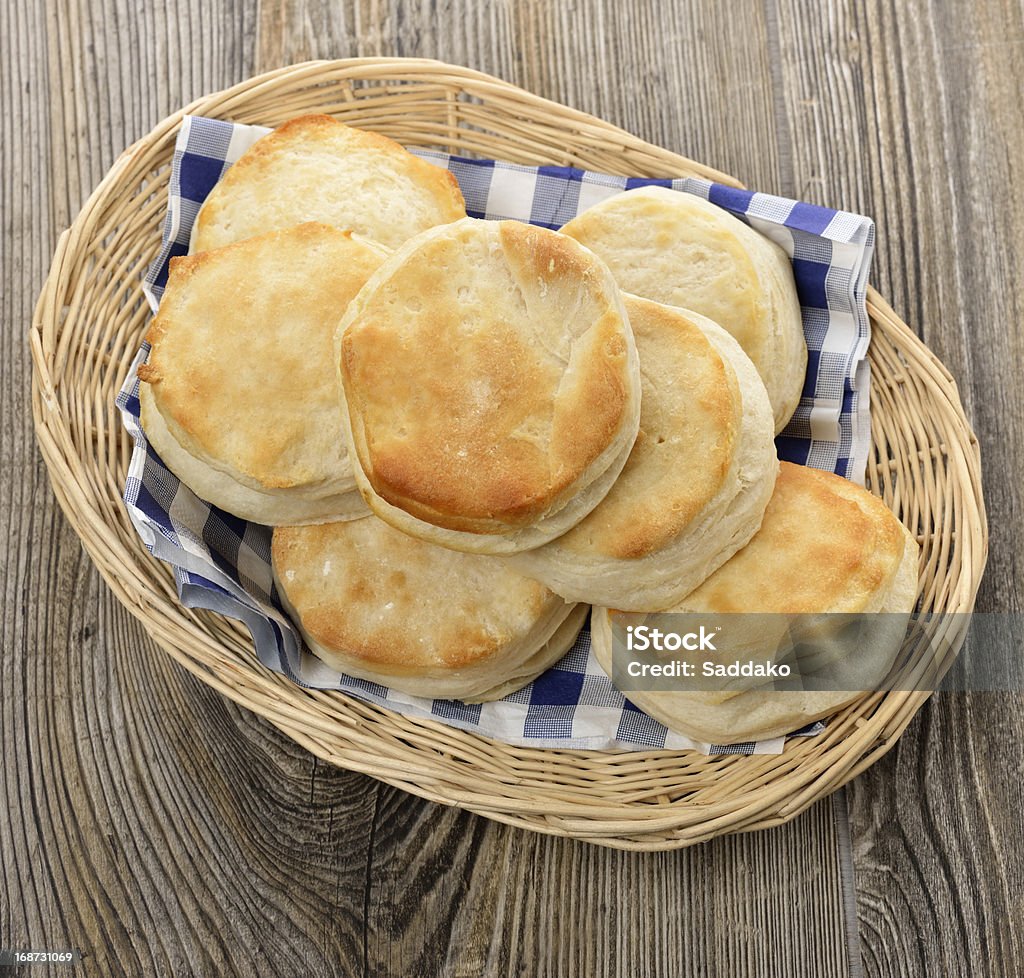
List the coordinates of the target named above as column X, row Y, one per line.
column 641, row 638
column 731, row 653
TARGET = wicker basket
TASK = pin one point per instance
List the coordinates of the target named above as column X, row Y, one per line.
column 89, row 322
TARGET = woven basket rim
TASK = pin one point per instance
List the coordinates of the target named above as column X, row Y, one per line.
column 435, row 761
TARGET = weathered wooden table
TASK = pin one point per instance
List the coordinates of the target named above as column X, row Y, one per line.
column 153, row 824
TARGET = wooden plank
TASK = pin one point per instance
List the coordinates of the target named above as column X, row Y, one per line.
column 452, row 894
column 939, row 859
column 27, row 897
column 939, row 868
column 146, row 820
column 933, row 157
column 679, row 75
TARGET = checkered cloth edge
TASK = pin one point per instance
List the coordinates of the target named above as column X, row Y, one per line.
column 223, row 563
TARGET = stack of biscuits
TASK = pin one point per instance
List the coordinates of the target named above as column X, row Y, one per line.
column 466, row 433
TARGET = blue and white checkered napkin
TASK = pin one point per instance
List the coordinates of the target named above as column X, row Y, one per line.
column 223, row 563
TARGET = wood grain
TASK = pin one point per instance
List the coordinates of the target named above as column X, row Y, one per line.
column 165, row 831
column 486, row 899
column 940, row 867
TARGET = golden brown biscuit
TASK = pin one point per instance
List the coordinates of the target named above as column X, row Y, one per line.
column 697, row 480
column 240, row 397
column 491, row 384
column 825, row 545
column 314, row 168
column 380, row 605
column 684, row 251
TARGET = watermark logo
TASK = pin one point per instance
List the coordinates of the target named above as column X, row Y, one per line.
column 828, row 652
column 644, row 638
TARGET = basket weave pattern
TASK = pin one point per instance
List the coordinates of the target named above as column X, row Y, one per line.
column 89, row 323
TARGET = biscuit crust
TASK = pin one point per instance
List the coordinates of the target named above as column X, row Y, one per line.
column 690, row 416
column 314, row 168
column 825, row 545
column 490, row 375
column 241, row 367
column 377, row 603
column 696, row 483
column 681, row 250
